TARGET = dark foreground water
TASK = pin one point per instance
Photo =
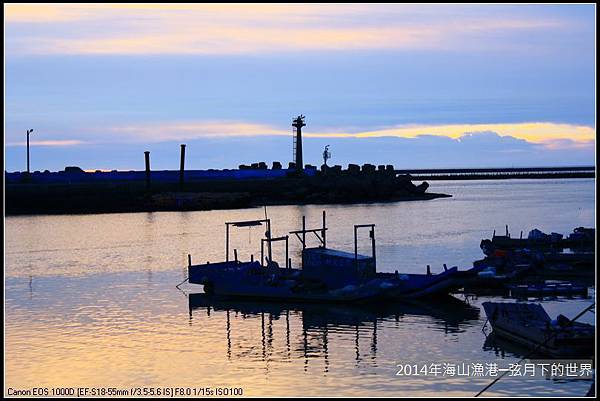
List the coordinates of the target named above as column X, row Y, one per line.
column 90, row 300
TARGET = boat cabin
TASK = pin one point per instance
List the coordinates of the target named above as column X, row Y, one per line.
column 337, row 268
column 332, row 267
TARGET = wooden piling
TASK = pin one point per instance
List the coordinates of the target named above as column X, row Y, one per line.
column 147, row 159
column 182, row 166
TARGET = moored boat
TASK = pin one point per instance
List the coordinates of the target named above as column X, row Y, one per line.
column 412, row 285
column 530, row 325
column 327, row 275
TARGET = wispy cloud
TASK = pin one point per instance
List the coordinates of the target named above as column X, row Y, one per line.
column 170, row 131
column 239, row 29
column 551, row 135
column 58, row 143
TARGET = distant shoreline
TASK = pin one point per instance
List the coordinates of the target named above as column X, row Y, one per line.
column 505, row 176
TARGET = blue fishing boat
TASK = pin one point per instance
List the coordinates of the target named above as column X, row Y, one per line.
column 327, row 275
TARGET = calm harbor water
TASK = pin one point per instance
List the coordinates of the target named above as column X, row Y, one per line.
column 90, row 300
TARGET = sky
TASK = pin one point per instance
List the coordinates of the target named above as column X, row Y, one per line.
column 417, row 86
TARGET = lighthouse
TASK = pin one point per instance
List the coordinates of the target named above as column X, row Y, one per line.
column 298, row 123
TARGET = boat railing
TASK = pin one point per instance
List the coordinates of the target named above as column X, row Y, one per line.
column 301, row 234
column 371, row 235
column 268, row 241
column 247, row 223
column 323, row 230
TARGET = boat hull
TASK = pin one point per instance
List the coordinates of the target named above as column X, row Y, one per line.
column 422, row 285
column 252, row 281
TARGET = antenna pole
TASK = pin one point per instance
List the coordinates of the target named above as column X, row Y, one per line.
column 29, row 131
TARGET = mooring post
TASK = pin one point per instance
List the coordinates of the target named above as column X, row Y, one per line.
column 182, row 165
column 147, row 159
column 226, row 242
column 303, row 232
column 428, row 270
column 372, row 233
column 355, row 245
column 324, row 233
column 303, row 239
column 287, row 243
column 269, row 242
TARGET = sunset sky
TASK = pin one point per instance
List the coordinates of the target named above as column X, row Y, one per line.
column 412, row 85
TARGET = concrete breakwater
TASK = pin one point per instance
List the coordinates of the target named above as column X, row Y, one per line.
column 76, row 191
column 502, row 173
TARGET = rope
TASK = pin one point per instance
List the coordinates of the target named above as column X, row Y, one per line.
column 483, row 328
column 177, row 286
column 535, row 349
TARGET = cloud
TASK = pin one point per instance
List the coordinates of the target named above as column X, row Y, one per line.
column 535, row 132
column 566, row 143
column 484, row 149
column 550, row 135
column 242, row 29
column 64, row 142
column 159, row 132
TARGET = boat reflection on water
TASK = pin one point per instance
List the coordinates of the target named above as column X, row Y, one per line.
column 318, row 321
column 504, row 348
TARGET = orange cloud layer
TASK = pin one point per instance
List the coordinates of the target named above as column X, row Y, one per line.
column 551, row 135
column 536, row 132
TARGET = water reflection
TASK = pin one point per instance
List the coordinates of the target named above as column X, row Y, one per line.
column 90, row 300
column 316, row 322
column 503, row 348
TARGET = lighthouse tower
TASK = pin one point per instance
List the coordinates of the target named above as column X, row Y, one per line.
column 298, row 123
